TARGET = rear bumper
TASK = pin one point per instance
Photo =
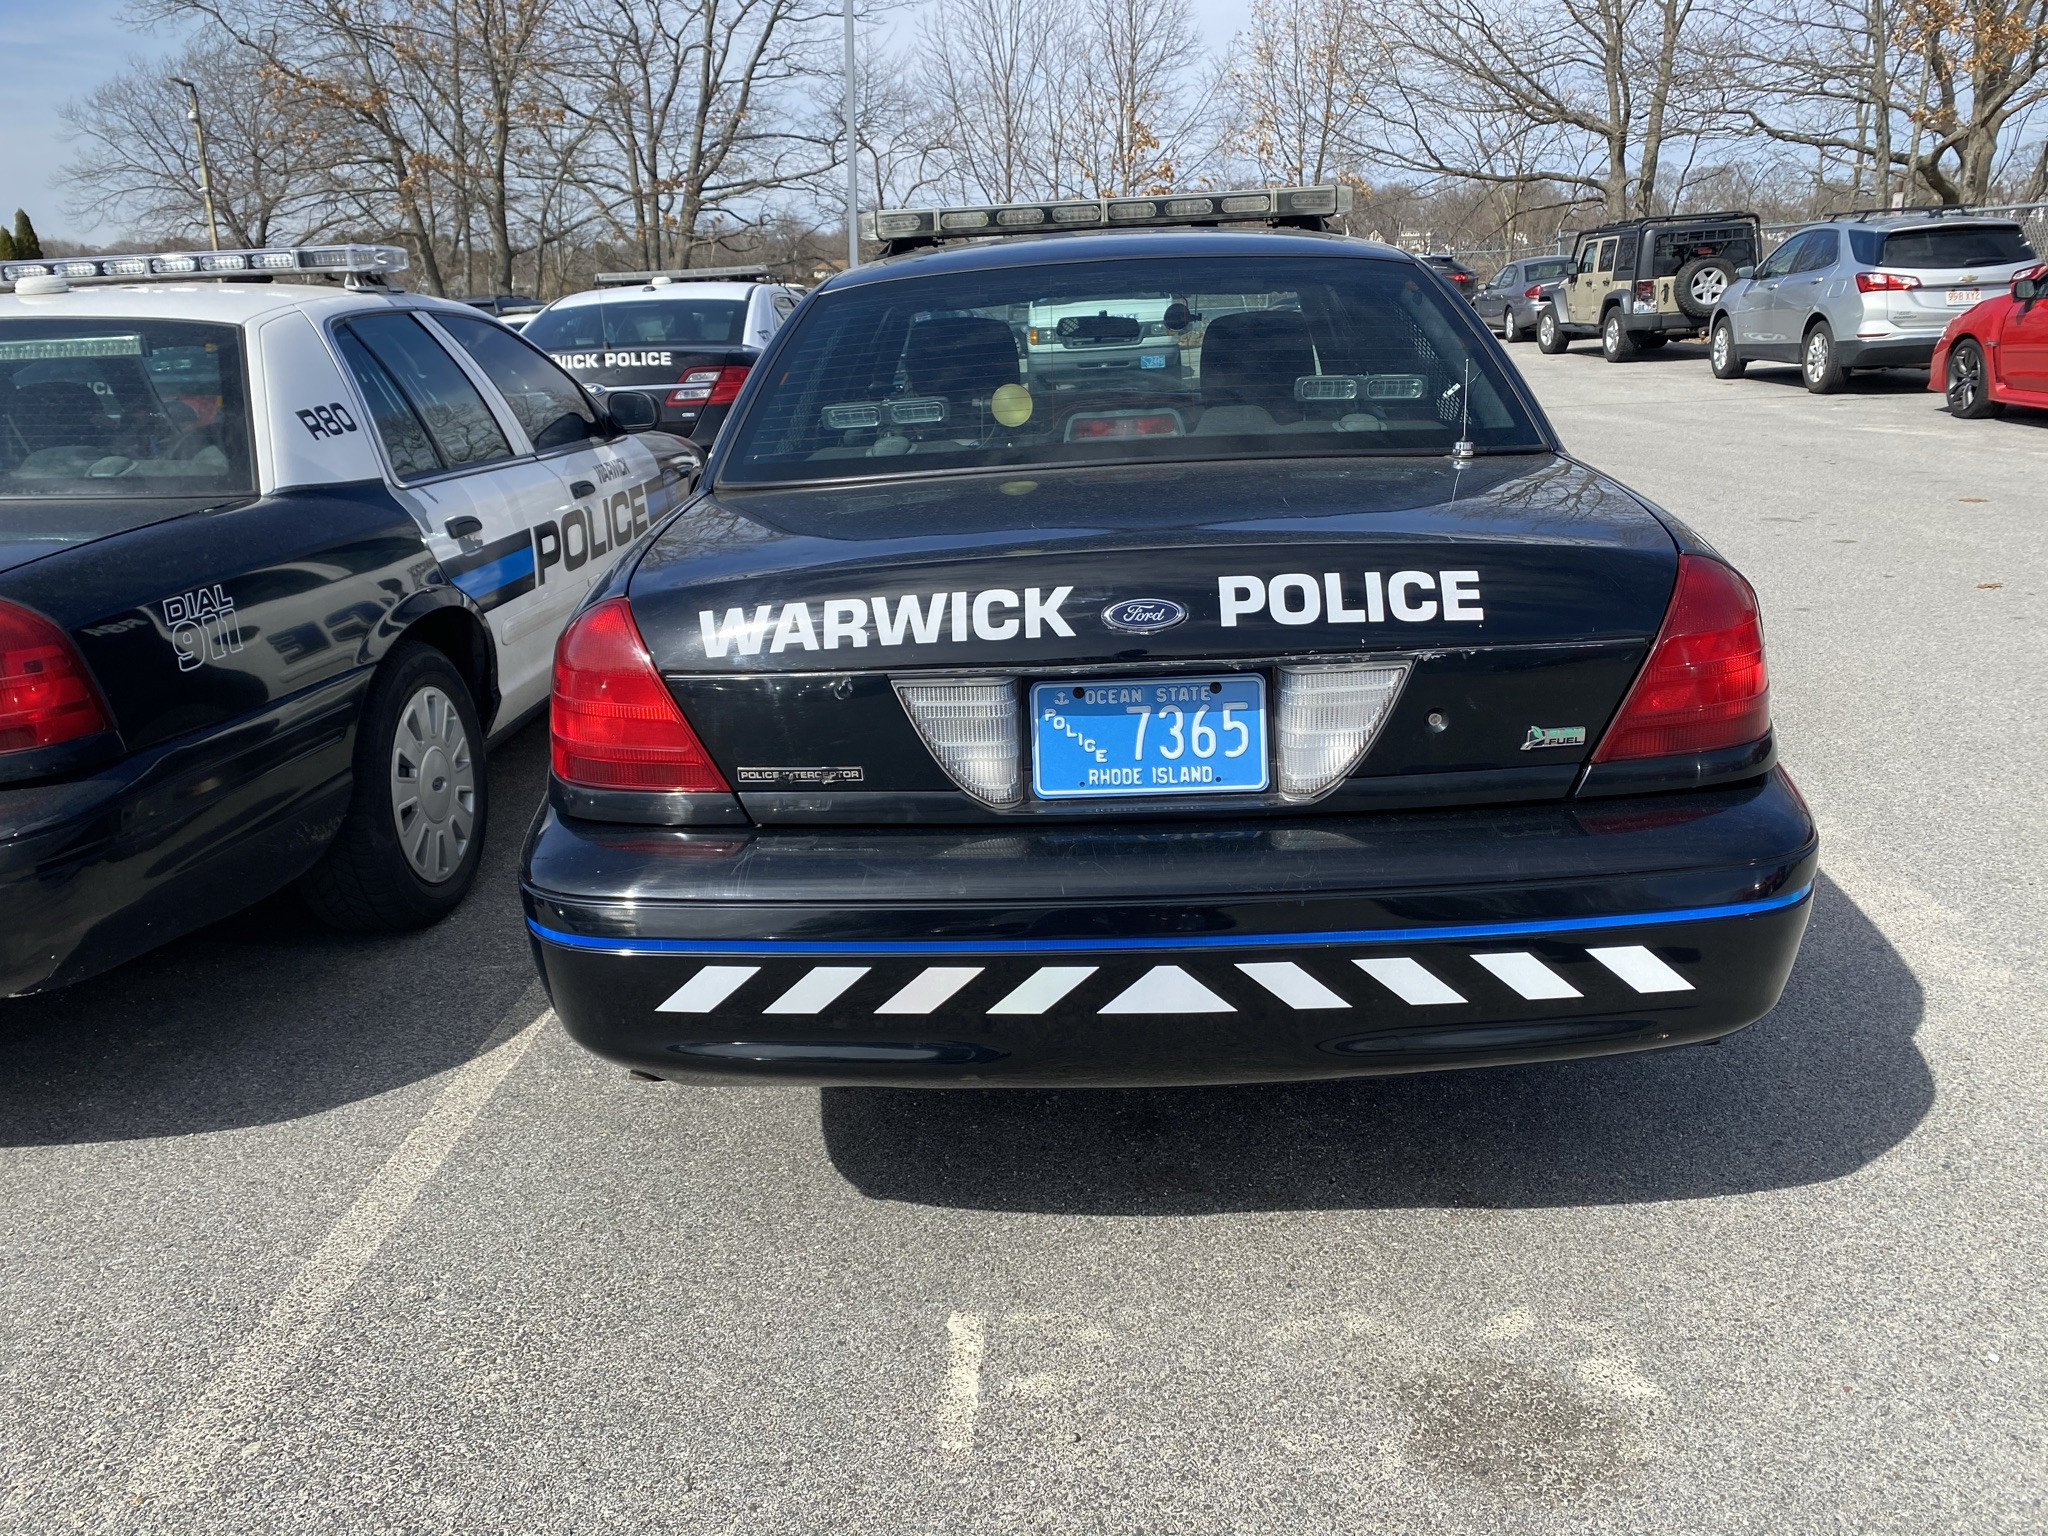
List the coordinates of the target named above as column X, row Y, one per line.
column 1662, row 324
column 1890, row 352
column 1212, row 953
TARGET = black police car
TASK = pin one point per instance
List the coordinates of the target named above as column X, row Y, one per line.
column 1307, row 712
column 687, row 336
column 276, row 559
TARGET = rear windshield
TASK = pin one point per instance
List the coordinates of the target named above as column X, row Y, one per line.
column 1672, row 249
column 1968, row 245
column 640, row 323
column 1135, row 359
column 93, row 408
column 1548, row 271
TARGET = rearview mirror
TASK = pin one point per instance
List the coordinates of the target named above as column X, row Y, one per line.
column 1744, row 273
column 632, row 410
column 2026, row 289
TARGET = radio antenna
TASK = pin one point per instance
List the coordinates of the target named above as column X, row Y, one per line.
column 1464, row 448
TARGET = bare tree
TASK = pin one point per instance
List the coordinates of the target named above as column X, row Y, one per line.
column 1290, row 87
column 270, row 158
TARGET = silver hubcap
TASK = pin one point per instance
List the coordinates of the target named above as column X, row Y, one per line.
column 1816, row 355
column 433, row 785
column 1721, row 347
column 1708, row 286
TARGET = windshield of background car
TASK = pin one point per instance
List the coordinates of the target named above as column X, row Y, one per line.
column 110, row 408
column 1548, row 271
column 1127, row 360
column 640, row 323
column 1979, row 245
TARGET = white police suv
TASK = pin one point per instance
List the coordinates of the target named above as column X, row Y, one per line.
column 281, row 548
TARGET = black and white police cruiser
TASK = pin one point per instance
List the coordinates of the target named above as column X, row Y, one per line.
column 277, row 559
column 1295, row 707
column 687, row 335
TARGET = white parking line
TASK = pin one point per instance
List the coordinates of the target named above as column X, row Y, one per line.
column 959, row 1402
column 202, row 1434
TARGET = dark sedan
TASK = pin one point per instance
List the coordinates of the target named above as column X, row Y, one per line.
column 1305, row 713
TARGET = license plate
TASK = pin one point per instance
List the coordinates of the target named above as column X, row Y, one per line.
column 1148, row 736
column 1963, row 298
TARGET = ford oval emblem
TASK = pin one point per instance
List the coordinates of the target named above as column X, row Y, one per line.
column 1143, row 615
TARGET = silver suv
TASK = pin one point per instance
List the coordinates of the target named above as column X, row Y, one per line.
column 1864, row 291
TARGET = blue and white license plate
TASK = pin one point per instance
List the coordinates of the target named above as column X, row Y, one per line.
column 1148, row 736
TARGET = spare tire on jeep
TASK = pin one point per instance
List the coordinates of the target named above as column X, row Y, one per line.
column 1700, row 284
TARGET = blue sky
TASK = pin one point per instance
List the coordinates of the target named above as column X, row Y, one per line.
column 56, row 52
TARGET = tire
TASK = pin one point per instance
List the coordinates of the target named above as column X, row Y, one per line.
column 1510, row 328
column 1616, row 345
column 1819, row 363
column 1968, row 383
column 419, row 764
column 1701, row 284
column 1550, row 336
column 1727, row 363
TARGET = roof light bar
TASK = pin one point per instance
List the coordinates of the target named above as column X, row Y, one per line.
column 684, row 275
column 163, row 266
column 906, row 228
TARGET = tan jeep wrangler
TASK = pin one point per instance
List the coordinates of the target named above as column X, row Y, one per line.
column 1637, row 284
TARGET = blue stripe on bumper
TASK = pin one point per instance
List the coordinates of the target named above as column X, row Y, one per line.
column 1220, row 941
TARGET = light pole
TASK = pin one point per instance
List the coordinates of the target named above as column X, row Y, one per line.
column 205, row 180
column 852, row 155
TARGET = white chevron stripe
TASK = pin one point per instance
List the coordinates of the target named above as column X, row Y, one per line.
column 1528, row 975
column 929, row 988
column 1043, row 987
column 707, row 989
column 1408, row 981
column 820, row 986
column 1166, row 989
column 1291, row 984
column 1641, row 969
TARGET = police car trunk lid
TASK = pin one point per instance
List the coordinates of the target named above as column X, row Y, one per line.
column 1519, row 595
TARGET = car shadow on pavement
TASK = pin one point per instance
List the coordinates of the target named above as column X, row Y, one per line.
column 1823, row 1085
column 268, row 1015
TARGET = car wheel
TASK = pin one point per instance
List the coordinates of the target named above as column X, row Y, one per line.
column 1727, row 362
column 1616, row 345
column 1968, row 385
column 1818, row 365
column 1511, row 328
column 409, row 847
column 1550, row 336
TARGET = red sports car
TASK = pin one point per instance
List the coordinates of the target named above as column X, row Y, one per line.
column 1996, row 353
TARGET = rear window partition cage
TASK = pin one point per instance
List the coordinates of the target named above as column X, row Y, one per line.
column 850, row 348
column 231, row 389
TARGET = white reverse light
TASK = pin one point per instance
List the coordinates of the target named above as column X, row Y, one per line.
column 971, row 726
column 1328, row 717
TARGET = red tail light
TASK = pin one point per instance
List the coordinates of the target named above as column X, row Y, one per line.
column 1533, row 291
column 1647, row 291
column 709, row 386
column 1705, row 685
column 1163, row 424
column 613, row 722
column 1886, row 282
column 46, row 694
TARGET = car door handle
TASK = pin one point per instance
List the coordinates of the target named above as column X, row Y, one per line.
column 582, row 488
column 464, row 527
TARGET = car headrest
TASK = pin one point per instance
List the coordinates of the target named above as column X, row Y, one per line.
column 1253, row 357
column 58, row 412
column 960, row 355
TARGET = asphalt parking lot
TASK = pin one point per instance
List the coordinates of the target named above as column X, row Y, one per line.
column 313, row 1233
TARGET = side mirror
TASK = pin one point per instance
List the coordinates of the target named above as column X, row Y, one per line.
column 1743, row 274
column 632, row 410
column 2026, row 289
